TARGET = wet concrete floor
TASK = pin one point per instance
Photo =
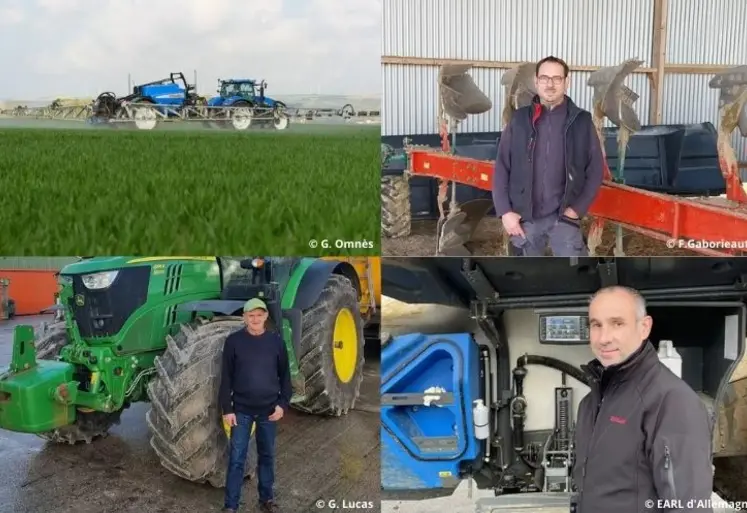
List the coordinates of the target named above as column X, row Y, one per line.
column 318, row 459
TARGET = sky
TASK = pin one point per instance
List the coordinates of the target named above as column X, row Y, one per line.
column 79, row 48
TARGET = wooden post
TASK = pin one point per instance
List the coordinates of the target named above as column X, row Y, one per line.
column 658, row 61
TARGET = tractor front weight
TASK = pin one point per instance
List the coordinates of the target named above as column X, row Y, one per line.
column 41, row 395
column 35, row 395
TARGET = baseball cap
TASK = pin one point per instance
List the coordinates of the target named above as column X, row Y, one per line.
column 253, row 304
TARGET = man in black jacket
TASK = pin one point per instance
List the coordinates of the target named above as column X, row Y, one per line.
column 548, row 169
column 643, row 436
column 255, row 389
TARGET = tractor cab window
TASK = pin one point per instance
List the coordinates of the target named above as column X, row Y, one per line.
column 229, row 90
column 246, row 89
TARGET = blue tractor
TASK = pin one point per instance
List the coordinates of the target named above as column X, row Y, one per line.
column 169, row 97
column 249, row 104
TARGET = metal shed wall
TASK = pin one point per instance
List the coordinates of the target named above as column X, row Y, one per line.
column 36, row 263
column 583, row 32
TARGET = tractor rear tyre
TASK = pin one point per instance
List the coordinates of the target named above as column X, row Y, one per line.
column 185, row 419
column 331, row 357
column 88, row 426
column 396, row 218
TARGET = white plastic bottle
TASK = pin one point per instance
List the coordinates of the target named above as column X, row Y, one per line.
column 481, row 419
column 669, row 356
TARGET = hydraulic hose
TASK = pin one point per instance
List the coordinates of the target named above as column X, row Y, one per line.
column 554, row 363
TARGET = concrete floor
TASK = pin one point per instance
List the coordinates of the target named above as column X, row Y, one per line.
column 317, row 459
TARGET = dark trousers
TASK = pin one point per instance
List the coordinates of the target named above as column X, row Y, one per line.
column 564, row 236
column 240, row 440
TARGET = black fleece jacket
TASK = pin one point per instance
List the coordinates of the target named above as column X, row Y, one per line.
column 255, row 374
column 643, row 441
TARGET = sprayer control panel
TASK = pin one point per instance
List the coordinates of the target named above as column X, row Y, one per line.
column 563, row 329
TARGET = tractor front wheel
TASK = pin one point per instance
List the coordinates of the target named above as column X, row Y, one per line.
column 332, row 344
column 185, row 419
column 89, row 425
column 280, row 119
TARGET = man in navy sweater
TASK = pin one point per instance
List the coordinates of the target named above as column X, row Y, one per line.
column 549, row 168
column 256, row 389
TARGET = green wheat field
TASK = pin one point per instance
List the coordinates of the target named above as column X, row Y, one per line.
column 98, row 192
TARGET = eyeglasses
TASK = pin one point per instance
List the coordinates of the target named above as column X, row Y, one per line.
column 544, row 79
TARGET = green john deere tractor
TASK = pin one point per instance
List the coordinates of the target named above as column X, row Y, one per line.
column 152, row 329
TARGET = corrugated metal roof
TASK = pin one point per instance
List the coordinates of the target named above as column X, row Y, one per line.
column 37, row 263
column 583, row 32
column 518, row 30
column 410, row 98
column 707, row 32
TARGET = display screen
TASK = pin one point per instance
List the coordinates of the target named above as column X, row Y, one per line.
column 564, row 328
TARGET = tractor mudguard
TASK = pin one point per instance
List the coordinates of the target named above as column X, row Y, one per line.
column 230, row 307
column 315, row 278
column 295, row 317
column 35, row 396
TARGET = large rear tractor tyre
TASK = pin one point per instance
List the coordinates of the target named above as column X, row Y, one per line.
column 185, row 419
column 332, row 344
column 89, row 425
column 396, row 218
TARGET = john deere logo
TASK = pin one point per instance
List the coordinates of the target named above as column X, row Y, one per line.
column 80, row 300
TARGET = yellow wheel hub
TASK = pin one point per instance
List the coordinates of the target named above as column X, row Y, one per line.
column 345, row 340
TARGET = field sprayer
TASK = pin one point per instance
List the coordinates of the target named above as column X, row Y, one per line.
column 666, row 182
column 168, row 99
column 152, row 329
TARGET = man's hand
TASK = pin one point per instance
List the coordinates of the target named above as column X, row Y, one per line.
column 570, row 213
column 512, row 224
column 277, row 414
column 230, row 419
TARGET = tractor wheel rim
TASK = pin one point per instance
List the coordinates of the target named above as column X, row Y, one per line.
column 345, row 345
column 281, row 122
column 242, row 119
column 145, row 119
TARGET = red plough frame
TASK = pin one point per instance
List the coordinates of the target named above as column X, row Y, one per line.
column 714, row 229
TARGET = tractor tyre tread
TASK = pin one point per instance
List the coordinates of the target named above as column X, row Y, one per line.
column 396, row 218
column 51, row 340
column 185, row 420
column 325, row 393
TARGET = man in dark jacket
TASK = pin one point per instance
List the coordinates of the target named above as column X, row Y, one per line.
column 643, row 437
column 255, row 389
column 548, row 169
